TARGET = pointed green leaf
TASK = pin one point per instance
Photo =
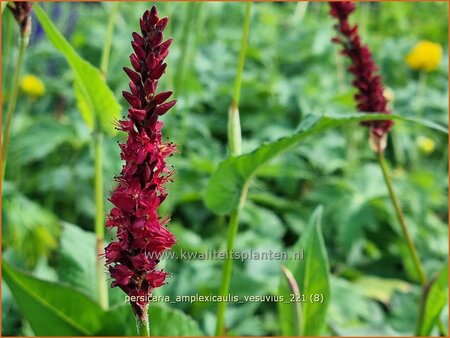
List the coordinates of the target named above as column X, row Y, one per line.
column 224, row 188
column 312, row 277
column 436, row 298
column 52, row 308
column 95, row 99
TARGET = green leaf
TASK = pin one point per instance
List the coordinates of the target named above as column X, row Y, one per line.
column 27, row 145
column 52, row 308
column 165, row 321
column 381, row 289
column 83, row 106
column 32, row 234
column 77, row 263
column 349, row 308
column 436, row 298
column 119, row 321
column 312, row 276
column 95, row 99
column 224, row 188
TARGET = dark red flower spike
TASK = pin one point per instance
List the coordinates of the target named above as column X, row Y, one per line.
column 370, row 97
column 142, row 235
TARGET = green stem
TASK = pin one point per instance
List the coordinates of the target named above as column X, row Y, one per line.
column 421, row 92
column 143, row 325
column 12, row 101
column 234, row 131
column 364, row 12
column 233, row 226
column 423, row 301
column 340, row 71
column 192, row 27
column 234, row 124
column 185, row 44
column 419, row 108
column 300, row 11
column 234, row 143
column 108, row 39
column 226, row 272
column 408, row 238
column 102, row 287
column 242, row 53
column 401, row 218
column 7, row 42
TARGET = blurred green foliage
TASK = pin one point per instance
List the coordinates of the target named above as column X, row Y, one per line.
column 292, row 70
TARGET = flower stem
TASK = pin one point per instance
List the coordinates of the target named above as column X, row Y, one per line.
column 234, row 143
column 143, row 325
column 234, row 124
column 13, row 100
column 233, row 226
column 7, row 44
column 340, row 70
column 234, row 131
column 226, row 272
column 243, row 51
column 108, row 40
column 300, row 11
column 102, row 287
column 421, row 92
column 401, row 218
column 408, row 238
column 192, row 12
column 191, row 29
column 102, row 290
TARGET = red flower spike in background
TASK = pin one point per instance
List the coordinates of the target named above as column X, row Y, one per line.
column 370, row 97
column 21, row 11
column 142, row 235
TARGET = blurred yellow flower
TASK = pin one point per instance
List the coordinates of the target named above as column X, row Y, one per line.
column 426, row 55
column 32, row 86
column 425, row 144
